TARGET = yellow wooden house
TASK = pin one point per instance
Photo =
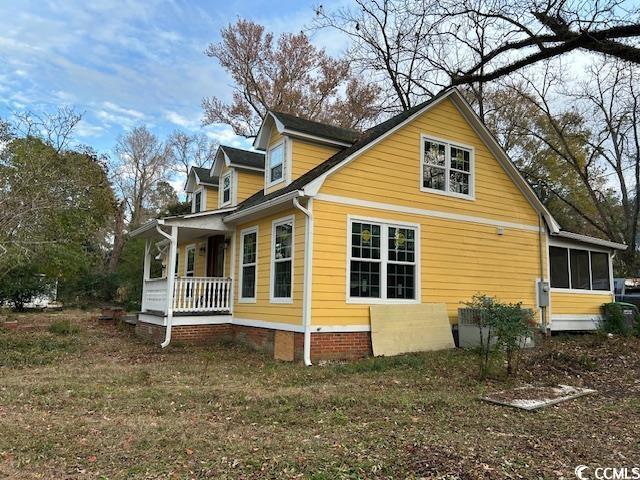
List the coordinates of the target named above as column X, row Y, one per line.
column 292, row 243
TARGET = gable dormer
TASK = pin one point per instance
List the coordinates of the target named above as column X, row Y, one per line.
column 202, row 189
column 293, row 146
column 240, row 174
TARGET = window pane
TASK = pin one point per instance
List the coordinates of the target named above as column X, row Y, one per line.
column 249, row 248
column 283, row 241
column 434, row 153
column 282, row 277
column 191, row 259
column 276, row 159
column 248, row 281
column 600, row 271
column 365, row 240
column 400, row 281
column 580, row 269
column 365, row 279
column 401, row 244
column 460, row 159
column 559, row 267
column 433, row 177
column 198, row 201
column 226, row 195
column 459, row 182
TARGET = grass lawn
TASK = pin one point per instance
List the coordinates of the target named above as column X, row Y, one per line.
column 102, row 404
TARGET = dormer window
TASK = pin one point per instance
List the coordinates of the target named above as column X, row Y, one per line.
column 226, row 188
column 197, row 202
column 275, row 164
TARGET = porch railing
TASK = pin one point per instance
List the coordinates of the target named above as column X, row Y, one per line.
column 202, row 294
column 190, row 294
column 154, row 295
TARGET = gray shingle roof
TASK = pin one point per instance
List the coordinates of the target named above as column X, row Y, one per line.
column 244, row 158
column 204, row 175
column 365, row 139
column 291, row 122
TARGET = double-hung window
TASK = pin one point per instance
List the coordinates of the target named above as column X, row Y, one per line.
column 579, row 269
column 446, row 168
column 282, row 260
column 197, row 202
column 383, row 262
column 275, row 159
column 249, row 265
column 226, row 188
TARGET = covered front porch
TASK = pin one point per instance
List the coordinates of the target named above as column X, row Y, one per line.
column 195, row 278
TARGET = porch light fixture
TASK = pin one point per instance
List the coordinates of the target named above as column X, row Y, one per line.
column 202, row 250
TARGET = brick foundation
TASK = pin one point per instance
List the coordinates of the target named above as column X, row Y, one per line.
column 324, row 346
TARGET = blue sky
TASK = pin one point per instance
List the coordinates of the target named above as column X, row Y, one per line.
column 129, row 62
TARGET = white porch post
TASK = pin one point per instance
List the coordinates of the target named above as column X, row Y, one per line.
column 171, row 268
column 147, row 271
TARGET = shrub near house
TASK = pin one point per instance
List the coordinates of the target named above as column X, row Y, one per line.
column 289, row 245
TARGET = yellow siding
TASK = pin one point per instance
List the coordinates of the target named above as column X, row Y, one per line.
column 458, row 259
column 249, row 182
column 212, row 198
column 308, row 155
column 390, row 172
column 564, row 303
column 263, row 309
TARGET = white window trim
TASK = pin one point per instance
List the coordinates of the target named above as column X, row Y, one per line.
column 472, row 167
column 280, row 221
column 285, row 167
column 589, row 291
column 231, row 189
column 244, row 233
column 203, row 200
column 384, row 224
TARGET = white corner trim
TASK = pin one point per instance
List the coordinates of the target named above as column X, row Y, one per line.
column 423, row 212
column 275, row 223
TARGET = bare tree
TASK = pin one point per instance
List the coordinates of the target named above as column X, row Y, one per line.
column 55, row 129
column 143, row 161
column 288, row 74
column 191, row 150
column 530, row 31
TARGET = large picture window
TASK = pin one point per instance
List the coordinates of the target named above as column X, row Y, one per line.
column 248, row 268
column 282, row 261
column 275, row 170
column 579, row 269
column 446, row 168
column 382, row 261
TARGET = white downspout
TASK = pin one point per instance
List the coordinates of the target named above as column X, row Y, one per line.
column 171, row 268
column 308, row 276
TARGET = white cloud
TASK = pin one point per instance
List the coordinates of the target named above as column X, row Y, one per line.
column 84, row 129
column 181, row 120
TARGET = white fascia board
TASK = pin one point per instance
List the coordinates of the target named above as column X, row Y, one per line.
column 590, row 240
column 264, row 205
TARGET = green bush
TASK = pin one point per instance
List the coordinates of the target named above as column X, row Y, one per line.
column 64, row 327
column 613, row 320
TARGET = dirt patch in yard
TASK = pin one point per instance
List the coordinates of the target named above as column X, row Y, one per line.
column 102, row 404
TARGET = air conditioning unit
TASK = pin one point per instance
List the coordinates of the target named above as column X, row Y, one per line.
column 469, row 330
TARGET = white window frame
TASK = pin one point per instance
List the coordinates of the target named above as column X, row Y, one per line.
column 384, row 261
column 203, row 200
column 268, row 181
column 447, row 167
column 231, row 176
column 590, row 291
column 243, row 234
column 191, row 246
column 281, row 221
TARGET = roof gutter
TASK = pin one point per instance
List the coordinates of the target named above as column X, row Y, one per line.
column 263, row 206
column 146, row 227
column 592, row 240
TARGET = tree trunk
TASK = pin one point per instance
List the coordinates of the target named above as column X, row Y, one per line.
column 118, row 237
